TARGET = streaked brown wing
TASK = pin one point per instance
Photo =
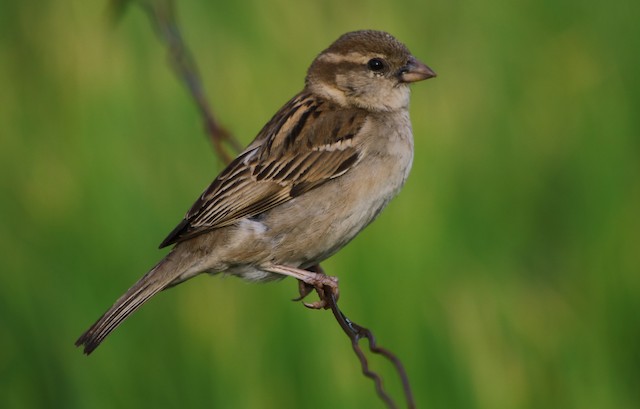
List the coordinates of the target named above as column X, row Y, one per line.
column 308, row 142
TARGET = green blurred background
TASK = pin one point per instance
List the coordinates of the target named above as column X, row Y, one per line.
column 506, row 274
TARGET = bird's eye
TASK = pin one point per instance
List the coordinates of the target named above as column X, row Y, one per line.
column 375, row 64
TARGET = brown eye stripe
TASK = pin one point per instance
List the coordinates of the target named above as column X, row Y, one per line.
column 355, row 58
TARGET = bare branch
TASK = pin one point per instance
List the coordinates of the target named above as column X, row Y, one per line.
column 356, row 332
column 162, row 15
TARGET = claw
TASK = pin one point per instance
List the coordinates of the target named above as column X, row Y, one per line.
column 316, row 305
column 309, row 280
column 304, row 289
column 320, row 287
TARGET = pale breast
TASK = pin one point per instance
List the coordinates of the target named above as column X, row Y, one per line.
column 328, row 217
column 310, row 228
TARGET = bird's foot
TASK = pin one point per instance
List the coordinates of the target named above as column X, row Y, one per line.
column 309, row 280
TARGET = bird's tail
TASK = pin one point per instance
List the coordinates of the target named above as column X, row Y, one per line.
column 156, row 280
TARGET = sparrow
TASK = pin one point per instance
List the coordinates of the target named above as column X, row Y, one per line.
column 317, row 173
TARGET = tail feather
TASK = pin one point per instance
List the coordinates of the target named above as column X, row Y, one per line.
column 149, row 285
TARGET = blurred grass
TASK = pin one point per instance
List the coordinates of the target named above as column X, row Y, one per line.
column 506, row 275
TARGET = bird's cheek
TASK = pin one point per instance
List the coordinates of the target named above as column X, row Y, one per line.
column 343, row 82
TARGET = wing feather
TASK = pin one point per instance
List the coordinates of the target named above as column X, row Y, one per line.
column 307, row 143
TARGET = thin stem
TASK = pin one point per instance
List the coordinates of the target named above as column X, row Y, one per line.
column 356, row 332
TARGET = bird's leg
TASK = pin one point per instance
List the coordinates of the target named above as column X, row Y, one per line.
column 308, row 281
column 305, row 289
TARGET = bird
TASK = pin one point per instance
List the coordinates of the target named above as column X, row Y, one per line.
column 317, row 174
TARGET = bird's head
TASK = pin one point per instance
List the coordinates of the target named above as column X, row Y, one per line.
column 366, row 69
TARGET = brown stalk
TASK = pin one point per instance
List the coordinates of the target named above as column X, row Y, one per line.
column 162, row 15
column 356, row 332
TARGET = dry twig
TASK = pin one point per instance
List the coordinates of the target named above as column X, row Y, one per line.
column 355, row 332
column 162, row 15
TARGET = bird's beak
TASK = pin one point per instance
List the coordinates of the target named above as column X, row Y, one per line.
column 415, row 71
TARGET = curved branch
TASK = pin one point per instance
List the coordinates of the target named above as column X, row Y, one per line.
column 162, row 15
column 356, row 332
